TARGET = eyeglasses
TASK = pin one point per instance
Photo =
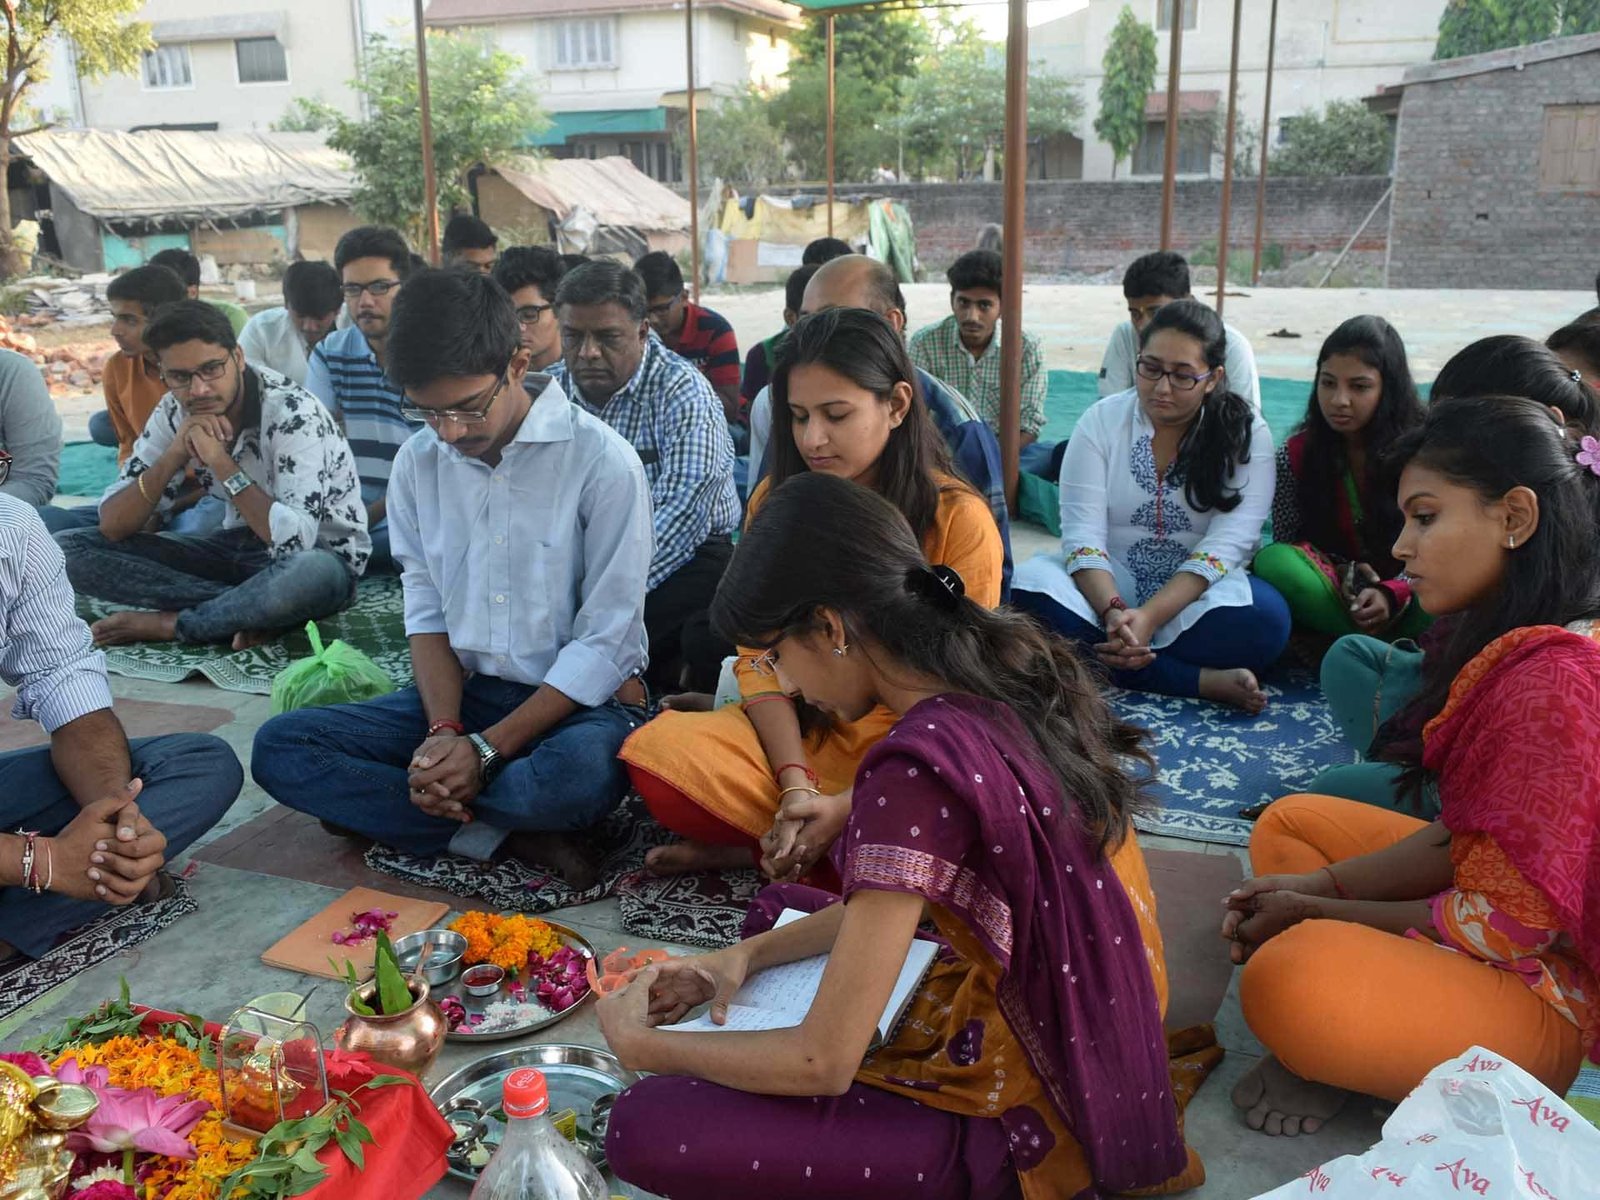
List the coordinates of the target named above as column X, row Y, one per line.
column 460, row 416
column 765, row 664
column 182, row 381
column 378, row 287
column 1181, row 381
column 529, row 314
column 662, row 309
column 5, row 466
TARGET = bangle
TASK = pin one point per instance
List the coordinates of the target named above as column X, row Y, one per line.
column 811, row 791
column 749, row 700
column 139, row 479
column 797, row 766
column 1337, row 887
column 28, row 840
column 1116, row 602
column 455, row 727
column 50, row 873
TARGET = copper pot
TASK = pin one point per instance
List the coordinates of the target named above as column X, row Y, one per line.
column 410, row 1040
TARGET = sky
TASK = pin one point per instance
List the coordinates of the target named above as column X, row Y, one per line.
column 991, row 15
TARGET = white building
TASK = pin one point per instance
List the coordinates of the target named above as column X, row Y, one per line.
column 213, row 68
column 611, row 74
column 1326, row 50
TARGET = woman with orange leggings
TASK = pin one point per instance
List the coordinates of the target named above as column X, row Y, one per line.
column 1377, row 945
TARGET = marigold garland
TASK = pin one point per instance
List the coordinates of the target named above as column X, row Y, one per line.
column 507, row 942
column 171, row 1069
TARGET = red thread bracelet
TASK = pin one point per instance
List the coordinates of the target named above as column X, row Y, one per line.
column 794, row 766
column 455, row 727
column 1116, row 602
column 1337, row 886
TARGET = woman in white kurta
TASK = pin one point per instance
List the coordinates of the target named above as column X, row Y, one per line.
column 1164, row 492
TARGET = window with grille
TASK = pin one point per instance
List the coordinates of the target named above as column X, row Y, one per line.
column 261, row 60
column 1194, row 148
column 168, row 67
column 585, row 42
column 1569, row 154
column 1191, row 14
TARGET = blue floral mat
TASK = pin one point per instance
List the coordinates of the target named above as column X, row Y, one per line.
column 1216, row 760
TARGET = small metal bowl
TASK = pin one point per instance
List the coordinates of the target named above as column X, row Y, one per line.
column 444, row 964
column 485, row 979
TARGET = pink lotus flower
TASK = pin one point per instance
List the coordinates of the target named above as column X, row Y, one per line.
column 30, row 1063
column 106, row 1189
column 139, row 1121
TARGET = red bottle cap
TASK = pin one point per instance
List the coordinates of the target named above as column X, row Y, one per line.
column 525, row 1093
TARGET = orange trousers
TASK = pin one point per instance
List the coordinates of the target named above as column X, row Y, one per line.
column 1369, row 1011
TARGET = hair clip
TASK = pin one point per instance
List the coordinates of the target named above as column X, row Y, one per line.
column 1576, row 376
column 941, row 585
column 1589, row 454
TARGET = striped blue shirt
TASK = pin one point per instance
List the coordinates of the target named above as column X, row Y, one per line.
column 344, row 374
column 46, row 652
column 670, row 415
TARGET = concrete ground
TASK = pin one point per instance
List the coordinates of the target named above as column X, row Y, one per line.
column 209, row 962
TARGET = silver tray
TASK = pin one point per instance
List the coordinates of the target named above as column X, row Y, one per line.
column 539, row 1017
column 577, row 1077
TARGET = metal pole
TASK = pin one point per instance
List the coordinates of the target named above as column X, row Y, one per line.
column 1016, row 193
column 1360, row 229
column 694, row 157
column 1266, row 142
column 1169, row 167
column 1227, row 161
column 430, row 184
column 830, row 124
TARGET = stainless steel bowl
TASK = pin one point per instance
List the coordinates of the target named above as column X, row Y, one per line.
column 444, row 964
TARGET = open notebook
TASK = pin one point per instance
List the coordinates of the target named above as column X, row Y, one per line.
column 779, row 997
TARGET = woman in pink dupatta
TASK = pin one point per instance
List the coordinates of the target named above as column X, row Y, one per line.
column 1378, row 945
column 1032, row 1062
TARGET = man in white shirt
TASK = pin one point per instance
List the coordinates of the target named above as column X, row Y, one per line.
column 1148, row 283
column 522, row 527
column 283, row 338
column 96, row 815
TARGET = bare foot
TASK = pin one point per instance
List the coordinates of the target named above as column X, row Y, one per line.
column 124, row 628
column 680, row 858
column 1237, row 687
column 1279, row 1103
column 247, row 639
column 689, row 702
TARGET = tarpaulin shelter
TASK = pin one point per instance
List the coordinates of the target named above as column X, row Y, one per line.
column 584, row 205
column 113, row 198
column 765, row 234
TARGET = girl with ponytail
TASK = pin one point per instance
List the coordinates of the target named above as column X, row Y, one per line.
column 1344, row 927
column 1164, row 491
column 999, row 805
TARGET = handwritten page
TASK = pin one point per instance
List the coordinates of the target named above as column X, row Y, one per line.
column 780, row 997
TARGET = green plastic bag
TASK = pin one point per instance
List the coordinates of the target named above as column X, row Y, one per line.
column 334, row 674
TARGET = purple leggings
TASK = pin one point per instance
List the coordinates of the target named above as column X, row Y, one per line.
column 687, row 1139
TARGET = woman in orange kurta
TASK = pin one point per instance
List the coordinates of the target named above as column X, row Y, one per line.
column 1380, row 945
column 765, row 773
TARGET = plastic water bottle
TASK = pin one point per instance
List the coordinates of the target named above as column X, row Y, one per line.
column 534, row 1162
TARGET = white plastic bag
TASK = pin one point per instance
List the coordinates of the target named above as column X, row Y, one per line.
column 1477, row 1126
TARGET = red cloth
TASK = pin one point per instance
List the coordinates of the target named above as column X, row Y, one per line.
column 708, row 341
column 1517, row 753
column 409, row 1137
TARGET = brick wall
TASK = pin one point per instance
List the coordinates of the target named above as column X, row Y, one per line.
column 1077, row 225
column 1468, row 211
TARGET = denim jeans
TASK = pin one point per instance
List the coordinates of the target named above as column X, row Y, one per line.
column 382, row 555
column 347, row 764
column 219, row 584
column 101, row 431
column 204, row 517
column 190, row 779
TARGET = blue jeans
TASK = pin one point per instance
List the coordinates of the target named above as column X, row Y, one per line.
column 101, row 431
column 382, row 556
column 219, row 584
column 190, row 780
column 1238, row 636
column 204, row 517
column 347, row 764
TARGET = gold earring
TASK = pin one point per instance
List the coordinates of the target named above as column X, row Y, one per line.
column 1511, row 542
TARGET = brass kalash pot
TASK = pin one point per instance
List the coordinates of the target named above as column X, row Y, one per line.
column 410, row 1040
column 35, row 1117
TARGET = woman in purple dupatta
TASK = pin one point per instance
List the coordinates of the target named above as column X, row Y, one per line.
column 1032, row 1061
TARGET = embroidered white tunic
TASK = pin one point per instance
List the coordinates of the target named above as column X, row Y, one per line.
column 1118, row 515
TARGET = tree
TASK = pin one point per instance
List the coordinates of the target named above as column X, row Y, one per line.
column 739, row 142
column 106, row 43
column 482, row 108
column 305, row 115
column 955, row 114
column 1128, row 75
column 1476, row 26
column 1347, row 138
column 881, row 48
column 864, row 134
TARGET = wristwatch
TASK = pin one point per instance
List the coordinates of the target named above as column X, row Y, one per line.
column 237, row 482
column 490, row 761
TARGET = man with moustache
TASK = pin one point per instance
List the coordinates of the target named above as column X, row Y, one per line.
column 347, row 371
column 521, row 523
column 293, row 540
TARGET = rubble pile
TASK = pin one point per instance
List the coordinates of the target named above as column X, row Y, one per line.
column 70, row 370
column 80, row 301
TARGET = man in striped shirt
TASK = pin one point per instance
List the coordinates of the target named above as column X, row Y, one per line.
column 690, row 331
column 102, row 814
column 347, row 369
column 619, row 370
